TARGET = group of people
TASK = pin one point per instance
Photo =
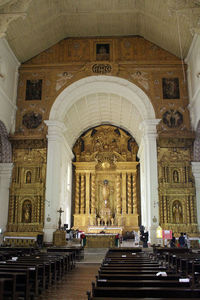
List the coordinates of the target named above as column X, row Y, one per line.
column 183, row 241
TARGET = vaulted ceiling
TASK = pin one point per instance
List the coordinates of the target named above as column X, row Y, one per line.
column 32, row 26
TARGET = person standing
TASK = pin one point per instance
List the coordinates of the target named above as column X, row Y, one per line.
column 181, row 241
column 173, row 241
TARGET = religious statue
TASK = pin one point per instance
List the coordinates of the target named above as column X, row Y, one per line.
column 175, row 176
column 105, row 192
column 26, row 212
column 177, row 213
column 28, row 177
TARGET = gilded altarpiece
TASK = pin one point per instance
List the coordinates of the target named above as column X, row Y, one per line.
column 106, row 193
column 27, row 192
column 177, row 200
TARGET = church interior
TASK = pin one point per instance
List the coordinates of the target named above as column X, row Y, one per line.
column 99, row 126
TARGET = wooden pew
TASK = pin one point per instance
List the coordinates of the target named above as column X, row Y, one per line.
column 8, row 287
column 125, row 275
column 20, row 279
column 141, row 283
column 144, row 292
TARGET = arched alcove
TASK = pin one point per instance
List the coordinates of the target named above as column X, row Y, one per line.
column 90, row 102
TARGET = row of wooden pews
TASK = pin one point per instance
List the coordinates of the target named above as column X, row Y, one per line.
column 185, row 263
column 25, row 275
column 132, row 274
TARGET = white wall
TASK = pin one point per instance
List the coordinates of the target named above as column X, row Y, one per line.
column 8, row 85
column 8, row 89
column 193, row 72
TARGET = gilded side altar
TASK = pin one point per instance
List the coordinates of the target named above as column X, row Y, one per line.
column 27, row 192
column 106, row 180
column 177, row 198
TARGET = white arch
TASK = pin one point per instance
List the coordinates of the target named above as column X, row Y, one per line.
column 61, row 136
column 96, row 85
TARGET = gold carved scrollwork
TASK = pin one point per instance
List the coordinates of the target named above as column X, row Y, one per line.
column 107, row 155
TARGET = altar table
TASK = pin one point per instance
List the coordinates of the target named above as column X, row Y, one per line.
column 100, row 240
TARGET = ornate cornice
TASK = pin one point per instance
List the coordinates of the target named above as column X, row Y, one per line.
column 12, row 10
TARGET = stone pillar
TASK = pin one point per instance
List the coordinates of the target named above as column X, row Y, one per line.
column 149, row 178
column 5, row 180
column 57, row 145
column 196, row 174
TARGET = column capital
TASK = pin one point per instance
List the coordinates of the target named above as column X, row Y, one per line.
column 196, row 169
column 6, row 169
column 6, row 174
column 56, row 133
column 55, row 127
column 148, row 127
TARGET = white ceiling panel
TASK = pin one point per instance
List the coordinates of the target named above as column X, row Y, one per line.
column 46, row 22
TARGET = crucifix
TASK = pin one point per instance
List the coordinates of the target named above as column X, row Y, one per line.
column 60, row 211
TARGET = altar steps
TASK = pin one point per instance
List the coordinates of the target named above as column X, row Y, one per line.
column 93, row 255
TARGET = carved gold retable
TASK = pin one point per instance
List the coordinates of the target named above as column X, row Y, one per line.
column 106, row 180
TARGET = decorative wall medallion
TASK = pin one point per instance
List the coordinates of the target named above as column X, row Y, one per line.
column 32, row 120
column 172, row 118
column 34, row 89
column 154, row 219
column 170, row 88
column 101, row 68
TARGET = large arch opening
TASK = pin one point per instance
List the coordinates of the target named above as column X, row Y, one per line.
column 89, row 102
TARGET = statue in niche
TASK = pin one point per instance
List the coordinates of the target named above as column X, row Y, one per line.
column 175, row 176
column 28, row 177
column 26, row 211
column 106, row 193
column 105, row 212
column 177, row 213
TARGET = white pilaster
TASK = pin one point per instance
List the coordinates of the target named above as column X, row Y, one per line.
column 196, row 173
column 149, row 177
column 5, row 180
column 57, row 149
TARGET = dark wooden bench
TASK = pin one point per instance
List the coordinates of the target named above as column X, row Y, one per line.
column 8, row 288
column 141, row 283
column 20, row 279
column 144, row 292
